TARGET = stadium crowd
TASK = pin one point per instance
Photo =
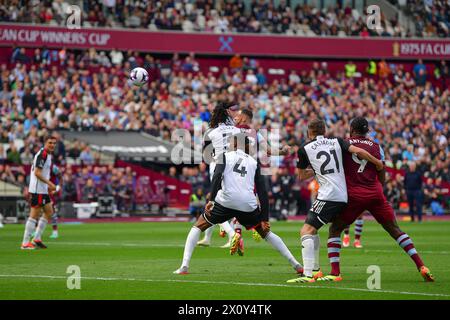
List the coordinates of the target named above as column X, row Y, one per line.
column 409, row 115
column 256, row 16
column 84, row 183
column 431, row 17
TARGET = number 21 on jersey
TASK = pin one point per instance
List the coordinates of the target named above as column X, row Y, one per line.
column 323, row 168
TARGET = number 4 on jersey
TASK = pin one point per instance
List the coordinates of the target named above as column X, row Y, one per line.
column 241, row 171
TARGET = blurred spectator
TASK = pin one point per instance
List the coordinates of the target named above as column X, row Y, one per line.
column 19, row 55
column 414, row 192
column 197, row 202
column 236, row 62
column 383, row 69
column 275, row 195
column 372, row 68
column 60, row 150
column 203, row 173
column 116, row 57
column 294, row 78
column 2, row 154
column 69, row 191
column 88, row 193
column 250, row 77
column 96, row 176
column 420, row 73
column 86, row 156
column 442, row 72
column 432, row 193
column 13, row 155
column 6, row 174
column 173, row 172
column 262, row 80
column 124, row 196
column 74, row 151
column 286, row 183
column 393, row 194
column 350, row 69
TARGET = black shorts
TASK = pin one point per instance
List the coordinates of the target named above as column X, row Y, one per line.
column 220, row 214
column 323, row 212
column 39, row 200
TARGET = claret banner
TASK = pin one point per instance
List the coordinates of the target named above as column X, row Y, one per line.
column 211, row 43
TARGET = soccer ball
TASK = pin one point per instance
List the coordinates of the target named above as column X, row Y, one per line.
column 139, row 76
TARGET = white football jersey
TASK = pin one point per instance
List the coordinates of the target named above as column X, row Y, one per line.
column 324, row 155
column 238, row 184
column 220, row 140
column 41, row 160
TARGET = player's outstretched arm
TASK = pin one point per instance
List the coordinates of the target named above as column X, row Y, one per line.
column 382, row 176
column 217, row 178
column 363, row 154
column 303, row 170
column 286, row 149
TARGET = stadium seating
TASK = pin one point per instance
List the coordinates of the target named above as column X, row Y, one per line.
column 294, row 17
column 408, row 116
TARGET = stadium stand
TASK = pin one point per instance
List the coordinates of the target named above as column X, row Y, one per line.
column 431, row 17
column 294, row 17
column 44, row 89
column 407, row 104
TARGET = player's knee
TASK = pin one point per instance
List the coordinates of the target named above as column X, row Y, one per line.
column 393, row 230
column 202, row 224
column 335, row 230
column 307, row 229
column 48, row 215
column 35, row 213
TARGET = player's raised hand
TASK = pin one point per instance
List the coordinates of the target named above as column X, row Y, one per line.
column 57, row 189
column 380, row 165
column 51, row 187
column 286, row 149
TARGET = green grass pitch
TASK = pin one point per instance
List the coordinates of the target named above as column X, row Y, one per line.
column 136, row 260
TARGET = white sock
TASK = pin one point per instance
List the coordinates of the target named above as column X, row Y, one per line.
column 208, row 234
column 40, row 228
column 191, row 242
column 30, row 226
column 308, row 254
column 279, row 245
column 226, row 226
column 316, row 252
